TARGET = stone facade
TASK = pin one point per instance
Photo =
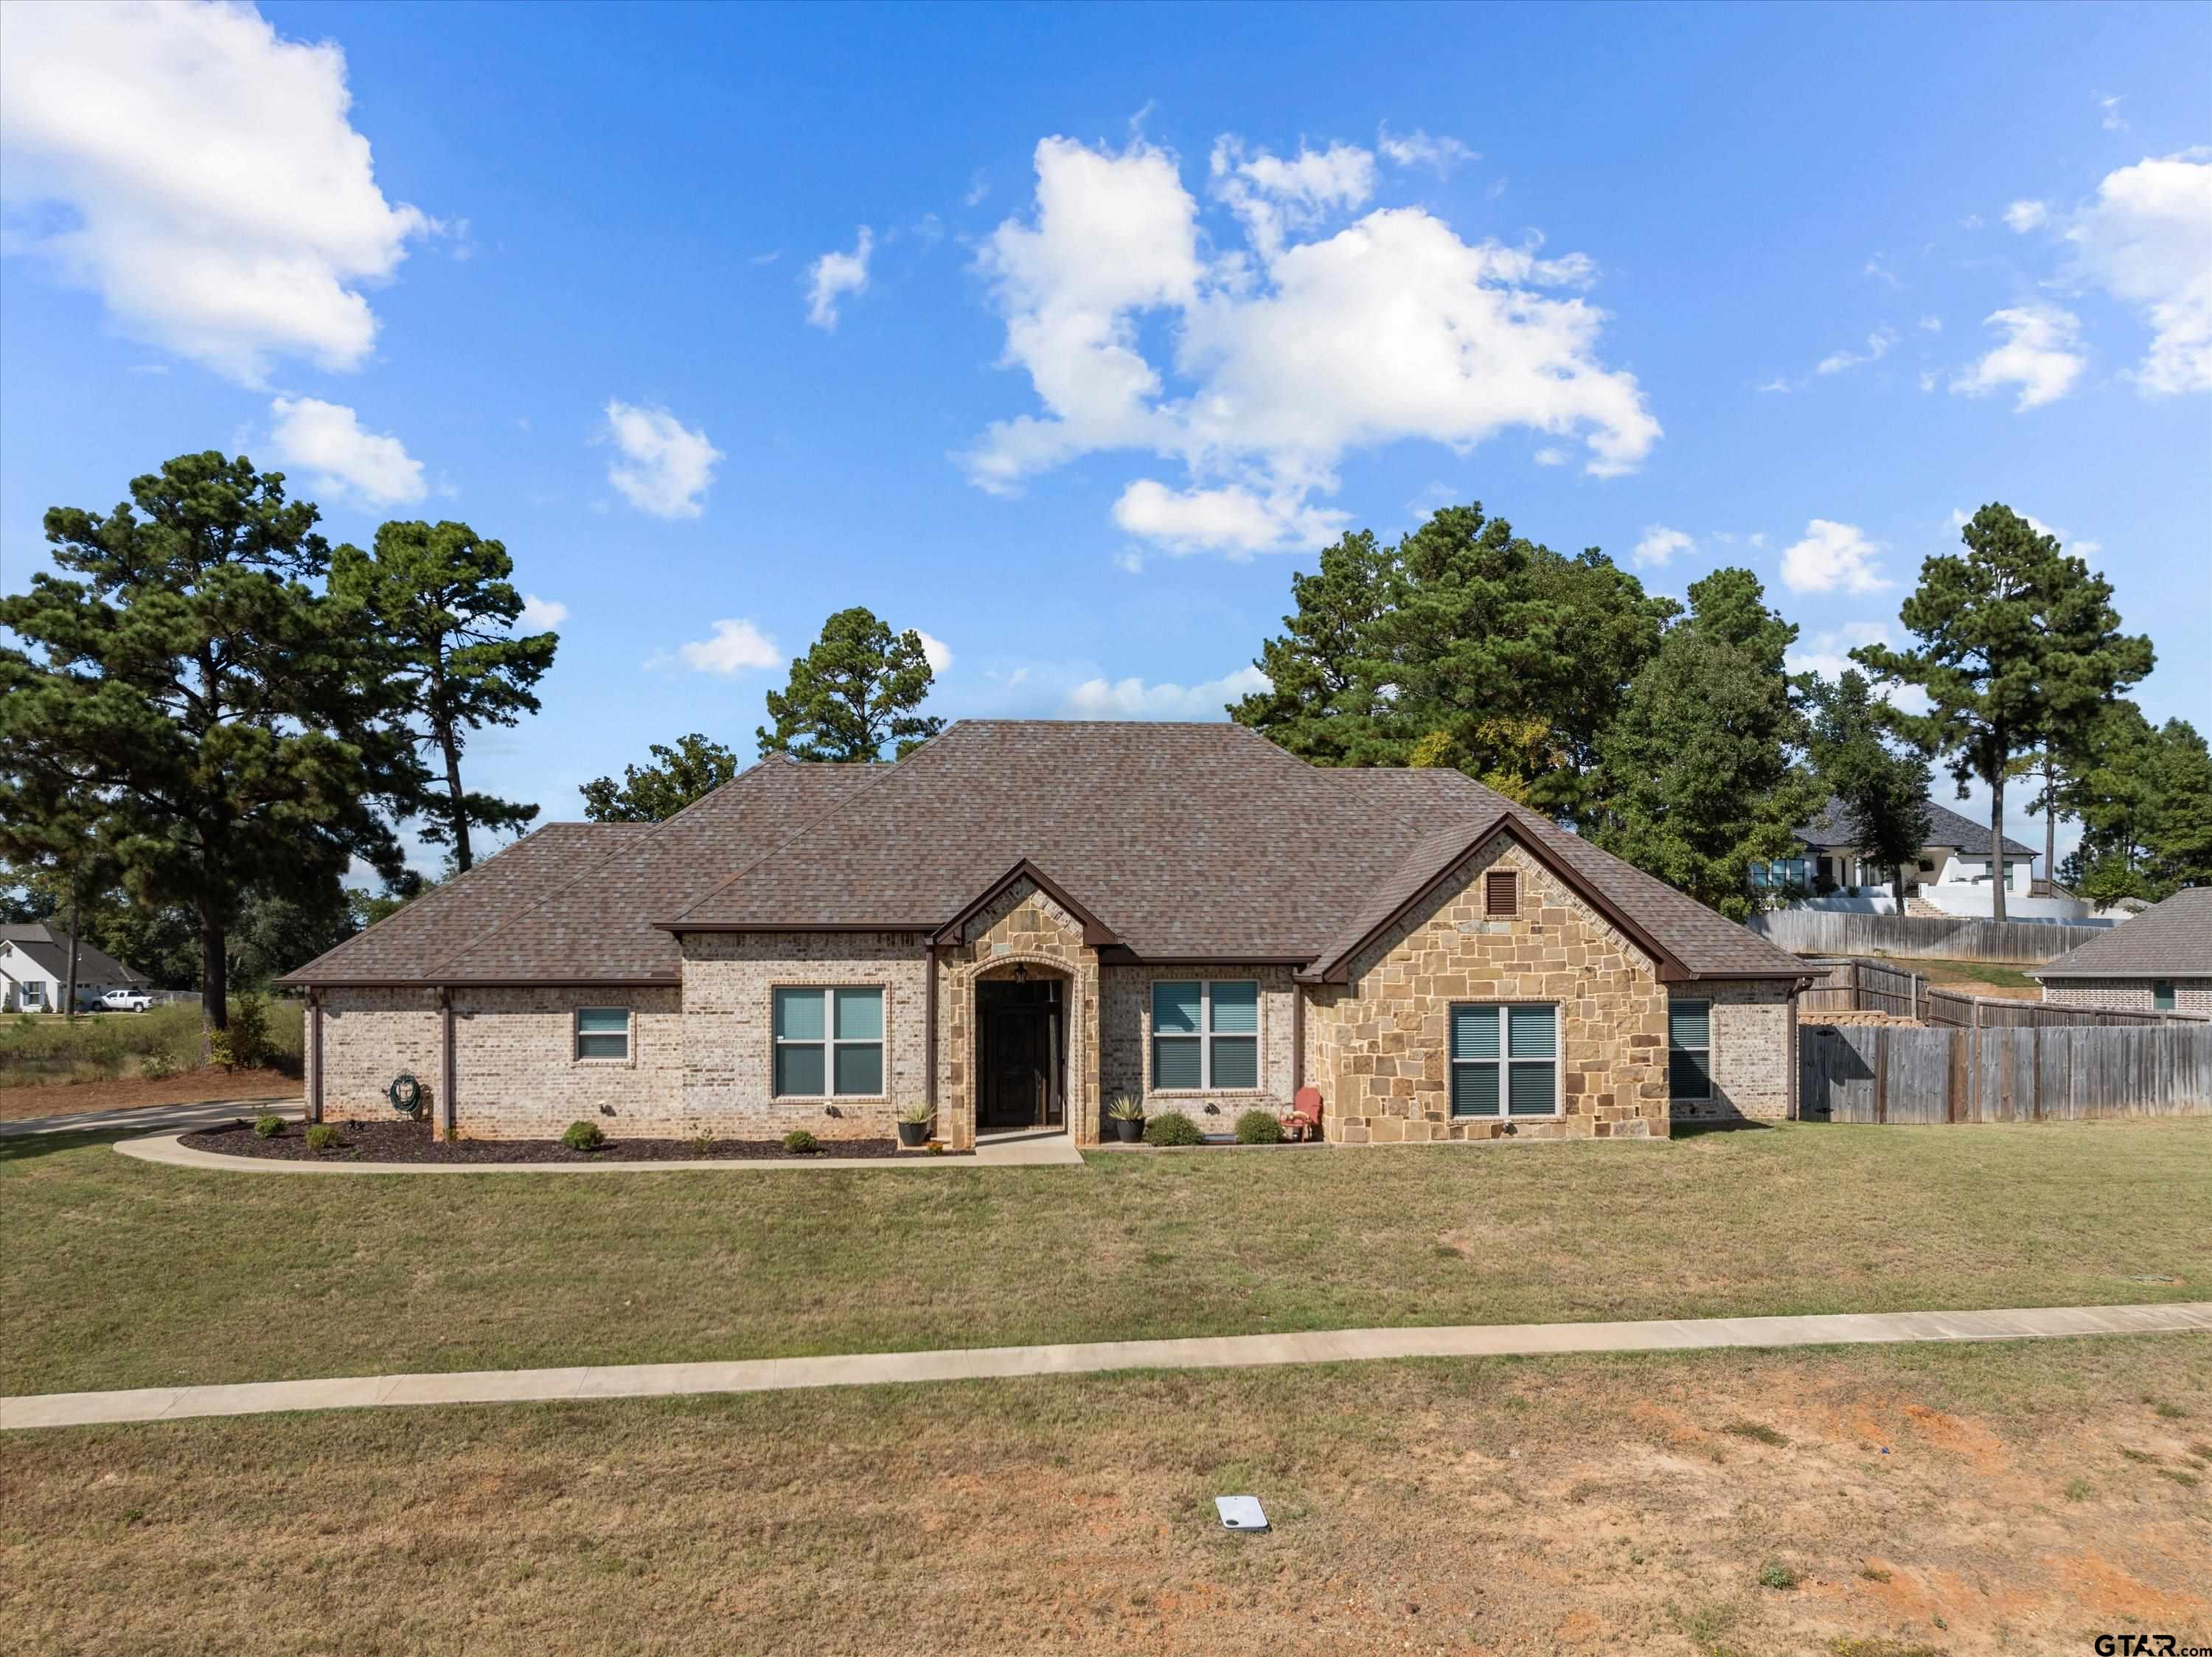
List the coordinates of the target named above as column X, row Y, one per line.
column 1126, row 1043
column 1753, row 1050
column 1376, row 1046
column 2134, row 995
column 729, row 1059
column 1022, row 926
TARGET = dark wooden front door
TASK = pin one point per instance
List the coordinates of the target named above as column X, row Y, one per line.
column 1020, row 1057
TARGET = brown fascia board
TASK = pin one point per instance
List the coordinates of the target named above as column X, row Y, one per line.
column 1338, row 970
column 312, row 984
column 1096, row 935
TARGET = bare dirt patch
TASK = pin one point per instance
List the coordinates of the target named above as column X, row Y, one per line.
column 1954, row 1501
column 131, row 1093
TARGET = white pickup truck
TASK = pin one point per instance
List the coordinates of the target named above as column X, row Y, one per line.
column 126, row 1001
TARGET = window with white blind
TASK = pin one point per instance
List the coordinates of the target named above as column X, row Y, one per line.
column 1504, row 1059
column 1690, row 1049
column 828, row 1042
column 603, row 1032
column 1205, row 1034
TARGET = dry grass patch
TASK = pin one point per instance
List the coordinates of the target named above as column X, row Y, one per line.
column 1505, row 1506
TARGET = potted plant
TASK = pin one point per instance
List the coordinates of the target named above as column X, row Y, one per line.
column 1126, row 1113
column 914, row 1126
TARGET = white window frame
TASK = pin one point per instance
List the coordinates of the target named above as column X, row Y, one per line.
column 576, row 1032
column 1707, row 1049
column 831, row 1041
column 1205, row 1036
column 1557, row 1061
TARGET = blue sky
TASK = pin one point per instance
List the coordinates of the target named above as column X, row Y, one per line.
column 1150, row 301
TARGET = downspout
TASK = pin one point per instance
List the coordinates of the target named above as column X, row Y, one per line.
column 447, row 1103
column 1297, row 1038
column 315, row 1055
column 929, row 1025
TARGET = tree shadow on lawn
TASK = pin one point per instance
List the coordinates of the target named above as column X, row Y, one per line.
column 21, row 1147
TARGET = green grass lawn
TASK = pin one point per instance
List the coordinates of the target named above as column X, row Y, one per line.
column 125, row 1274
column 1936, row 972
column 1899, row 1501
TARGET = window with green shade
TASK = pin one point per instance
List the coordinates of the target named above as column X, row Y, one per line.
column 2161, row 995
column 828, row 1042
column 603, row 1032
column 1205, row 1034
column 1504, row 1059
column 1689, row 1048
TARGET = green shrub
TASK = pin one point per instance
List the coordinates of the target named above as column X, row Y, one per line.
column 1259, row 1127
column 243, row 1045
column 1171, row 1128
column 159, row 1065
column 583, row 1136
column 322, row 1137
column 1775, row 1574
column 800, row 1142
column 269, row 1124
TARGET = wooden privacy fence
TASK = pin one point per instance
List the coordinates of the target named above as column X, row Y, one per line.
column 1896, row 1074
column 1834, row 932
column 1871, row 986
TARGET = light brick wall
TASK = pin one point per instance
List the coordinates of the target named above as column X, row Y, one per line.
column 1126, row 1045
column 1751, row 1051
column 1023, row 926
column 368, row 1037
column 2134, row 995
column 729, row 1077
column 1376, row 1046
column 516, row 1074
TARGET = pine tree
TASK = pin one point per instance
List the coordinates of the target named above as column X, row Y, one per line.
column 1700, row 782
column 439, row 599
column 235, row 735
column 859, row 686
column 1884, row 791
column 2020, row 648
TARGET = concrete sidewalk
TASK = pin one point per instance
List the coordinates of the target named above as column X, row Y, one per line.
column 984, row 1363
column 152, row 1119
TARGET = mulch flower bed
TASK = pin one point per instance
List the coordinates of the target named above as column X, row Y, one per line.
column 414, row 1142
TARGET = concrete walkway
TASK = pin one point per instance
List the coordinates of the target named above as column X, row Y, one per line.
column 1030, row 1150
column 997, row 1362
column 152, row 1119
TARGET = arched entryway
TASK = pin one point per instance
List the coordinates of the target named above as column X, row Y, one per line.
column 1021, row 1049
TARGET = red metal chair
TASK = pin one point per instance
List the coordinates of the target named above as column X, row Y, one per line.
column 1303, row 1119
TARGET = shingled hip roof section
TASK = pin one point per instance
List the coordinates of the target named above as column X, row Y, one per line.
column 1834, row 830
column 2171, row 940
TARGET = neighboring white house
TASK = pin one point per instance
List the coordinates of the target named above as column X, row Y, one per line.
column 1951, row 876
column 34, row 963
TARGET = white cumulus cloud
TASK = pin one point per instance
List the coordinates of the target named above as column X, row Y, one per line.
column 834, row 275
column 2026, row 216
column 219, row 200
column 661, row 465
column 327, row 440
column 1133, row 698
column 1828, row 654
column 1417, row 148
column 936, row 651
column 1287, row 353
column 538, row 614
column 1660, row 543
column 1833, row 558
column 1232, row 519
column 736, row 646
column 2039, row 354
column 2147, row 239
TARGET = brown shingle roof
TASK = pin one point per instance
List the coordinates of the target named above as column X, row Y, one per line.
column 1198, row 842
column 400, row 947
column 2172, row 940
column 1834, row 830
column 575, row 902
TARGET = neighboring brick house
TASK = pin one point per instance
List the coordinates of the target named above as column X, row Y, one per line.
column 1022, row 919
column 2162, row 960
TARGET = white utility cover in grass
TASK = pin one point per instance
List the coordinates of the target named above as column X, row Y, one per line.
column 1240, row 1512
